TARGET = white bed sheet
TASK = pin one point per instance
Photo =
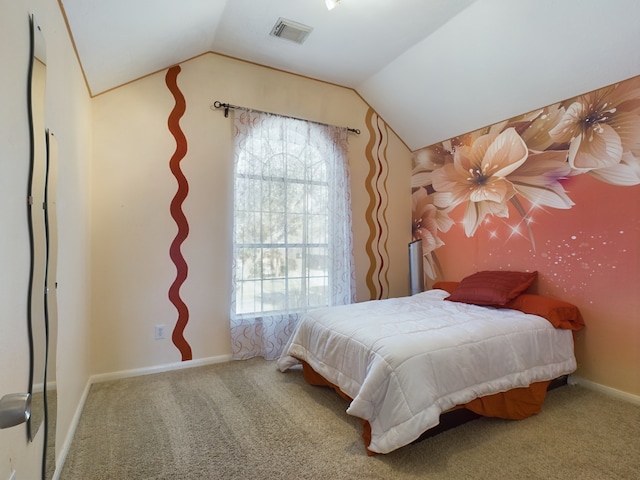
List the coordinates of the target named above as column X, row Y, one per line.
column 406, row 360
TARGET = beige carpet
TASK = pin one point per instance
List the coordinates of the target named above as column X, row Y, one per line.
column 246, row 420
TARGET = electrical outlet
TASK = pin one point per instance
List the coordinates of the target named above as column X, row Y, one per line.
column 159, row 332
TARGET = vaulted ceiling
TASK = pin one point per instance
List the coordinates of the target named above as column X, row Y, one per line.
column 431, row 68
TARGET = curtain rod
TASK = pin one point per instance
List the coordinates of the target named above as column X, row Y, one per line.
column 228, row 106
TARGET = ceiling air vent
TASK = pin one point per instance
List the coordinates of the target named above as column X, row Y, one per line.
column 290, row 30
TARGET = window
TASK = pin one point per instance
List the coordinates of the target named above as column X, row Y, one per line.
column 292, row 225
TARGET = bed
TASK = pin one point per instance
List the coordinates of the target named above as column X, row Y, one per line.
column 402, row 362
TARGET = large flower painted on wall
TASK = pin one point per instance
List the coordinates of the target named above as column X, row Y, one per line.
column 478, row 176
column 603, row 132
column 490, row 171
column 520, row 164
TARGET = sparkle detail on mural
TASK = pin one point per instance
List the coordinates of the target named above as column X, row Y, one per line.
column 178, row 215
column 376, row 186
column 514, row 171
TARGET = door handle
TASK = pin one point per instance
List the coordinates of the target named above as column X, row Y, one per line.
column 15, row 408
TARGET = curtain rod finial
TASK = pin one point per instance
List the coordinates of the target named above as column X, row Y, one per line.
column 226, row 106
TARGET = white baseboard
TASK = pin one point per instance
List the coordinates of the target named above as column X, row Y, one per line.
column 167, row 367
column 103, row 377
column 629, row 397
column 71, row 433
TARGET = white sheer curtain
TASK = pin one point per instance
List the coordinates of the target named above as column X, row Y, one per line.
column 292, row 246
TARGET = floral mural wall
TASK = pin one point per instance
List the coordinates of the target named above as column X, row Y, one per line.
column 518, row 184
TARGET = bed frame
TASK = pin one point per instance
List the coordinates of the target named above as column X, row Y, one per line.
column 514, row 404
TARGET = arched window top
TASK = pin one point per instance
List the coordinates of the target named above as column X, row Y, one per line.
column 292, row 221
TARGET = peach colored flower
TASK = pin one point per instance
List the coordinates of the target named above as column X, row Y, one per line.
column 425, row 226
column 534, row 127
column 425, row 161
column 478, row 176
column 601, row 127
column 625, row 173
column 538, row 179
column 428, row 219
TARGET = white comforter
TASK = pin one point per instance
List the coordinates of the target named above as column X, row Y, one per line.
column 405, row 360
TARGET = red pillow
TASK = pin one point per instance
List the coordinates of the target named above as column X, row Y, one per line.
column 495, row 288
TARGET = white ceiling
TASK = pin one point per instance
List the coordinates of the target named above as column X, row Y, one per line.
column 120, row 40
column 431, row 68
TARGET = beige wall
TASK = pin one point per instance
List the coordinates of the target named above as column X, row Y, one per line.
column 68, row 115
column 133, row 188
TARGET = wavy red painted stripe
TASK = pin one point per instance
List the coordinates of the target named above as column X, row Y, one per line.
column 178, row 215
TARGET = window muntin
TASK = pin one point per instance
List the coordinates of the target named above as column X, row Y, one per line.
column 282, row 222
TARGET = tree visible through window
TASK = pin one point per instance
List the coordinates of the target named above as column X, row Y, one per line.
column 292, row 227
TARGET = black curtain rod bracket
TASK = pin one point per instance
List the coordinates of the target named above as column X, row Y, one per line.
column 226, row 106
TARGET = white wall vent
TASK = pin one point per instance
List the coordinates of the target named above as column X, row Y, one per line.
column 291, row 30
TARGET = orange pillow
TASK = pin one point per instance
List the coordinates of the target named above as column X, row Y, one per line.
column 493, row 288
column 561, row 314
column 446, row 286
